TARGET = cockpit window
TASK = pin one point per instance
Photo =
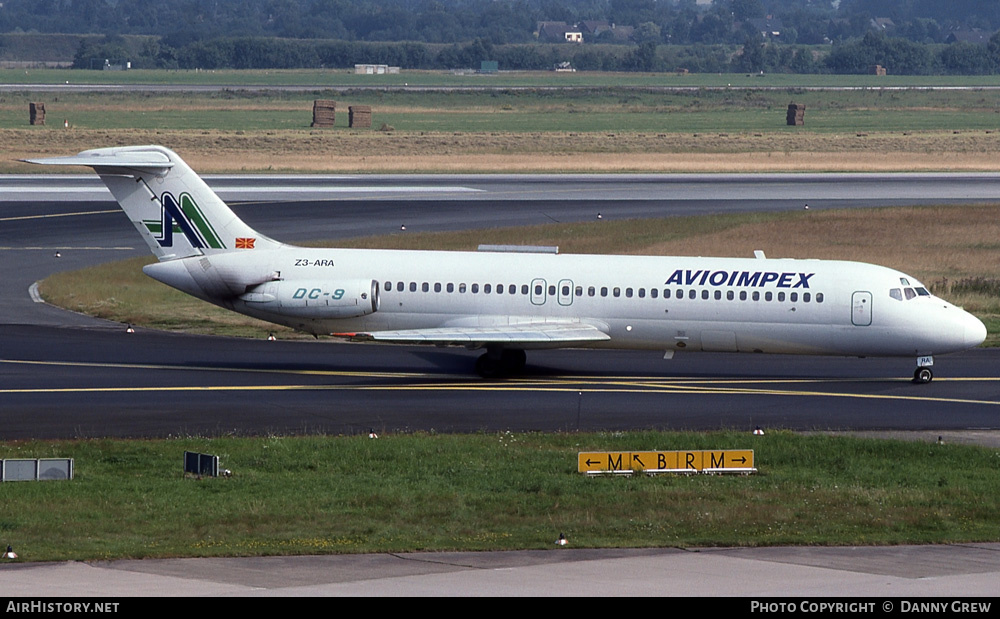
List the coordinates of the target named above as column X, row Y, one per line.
column 923, row 292
column 896, row 293
column 904, row 281
column 910, row 294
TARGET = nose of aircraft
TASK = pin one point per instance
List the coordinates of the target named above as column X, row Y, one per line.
column 975, row 331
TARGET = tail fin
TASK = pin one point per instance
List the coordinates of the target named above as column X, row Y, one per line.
column 172, row 208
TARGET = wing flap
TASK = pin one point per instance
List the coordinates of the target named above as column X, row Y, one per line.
column 538, row 334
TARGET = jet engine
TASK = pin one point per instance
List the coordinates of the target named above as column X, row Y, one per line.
column 315, row 298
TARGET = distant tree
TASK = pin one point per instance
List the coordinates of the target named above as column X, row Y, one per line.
column 967, row 59
column 642, row 58
column 92, row 53
column 899, row 56
column 647, row 32
column 751, row 58
column 747, row 9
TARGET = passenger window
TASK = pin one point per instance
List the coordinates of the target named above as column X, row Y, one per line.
column 756, row 295
column 604, row 291
column 499, row 288
column 704, row 294
column 653, row 293
column 730, row 295
column 617, row 292
column 451, row 287
column 388, row 286
column 743, row 295
column 767, row 296
column 475, row 288
column 591, row 291
column 487, row 288
column 718, row 295
column 538, row 289
column 806, row 297
column 666, row 293
column 400, row 286
column 565, row 291
column 461, row 288
column 628, row 293
column 425, row 287
column 413, row 286
column 524, row 289
column 819, row 297
column 579, row 291
column 437, row 287
column 793, row 297
column 781, row 296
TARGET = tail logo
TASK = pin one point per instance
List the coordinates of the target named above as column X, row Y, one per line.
column 183, row 216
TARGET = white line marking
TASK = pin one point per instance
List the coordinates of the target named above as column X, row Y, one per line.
column 33, row 292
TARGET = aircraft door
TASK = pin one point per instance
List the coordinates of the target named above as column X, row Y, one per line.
column 861, row 309
column 538, row 292
column 565, row 292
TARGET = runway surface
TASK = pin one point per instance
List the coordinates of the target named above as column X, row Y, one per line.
column 886, row 579
column 65, row 375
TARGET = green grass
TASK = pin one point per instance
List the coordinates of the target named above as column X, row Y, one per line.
column 580, row 109
column 318, row 495
column 346, row 78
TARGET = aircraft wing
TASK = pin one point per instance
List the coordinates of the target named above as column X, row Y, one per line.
column 536, row 335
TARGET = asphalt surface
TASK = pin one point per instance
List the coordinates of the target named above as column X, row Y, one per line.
column 64, row 375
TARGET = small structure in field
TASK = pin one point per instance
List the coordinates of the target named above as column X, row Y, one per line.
column 324, row 112
column 36, row 113
column 796, row 114
column 359, row 116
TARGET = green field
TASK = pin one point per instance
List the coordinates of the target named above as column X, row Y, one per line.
column 588, row 103
column 347, row 77
column 489, row 491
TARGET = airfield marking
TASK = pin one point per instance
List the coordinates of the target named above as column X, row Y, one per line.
column 556, row 384
column 53, row 215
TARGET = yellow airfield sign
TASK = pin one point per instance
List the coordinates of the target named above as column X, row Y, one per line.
column 690, row 462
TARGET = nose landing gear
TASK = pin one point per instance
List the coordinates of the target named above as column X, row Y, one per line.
column 923, row 374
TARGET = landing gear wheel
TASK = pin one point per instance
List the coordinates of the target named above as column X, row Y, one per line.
column 488, row 367
column 922, row 376
column 513, row 361
column 497, row 363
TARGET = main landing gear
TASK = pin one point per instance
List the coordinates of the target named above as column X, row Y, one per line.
column 497, row 362
column 923, row 374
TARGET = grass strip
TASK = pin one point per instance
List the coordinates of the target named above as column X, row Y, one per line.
column 502, row 491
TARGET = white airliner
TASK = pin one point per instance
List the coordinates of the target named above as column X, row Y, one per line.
column 506, row 300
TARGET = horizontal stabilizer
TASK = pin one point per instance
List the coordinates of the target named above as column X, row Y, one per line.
column 112, row 158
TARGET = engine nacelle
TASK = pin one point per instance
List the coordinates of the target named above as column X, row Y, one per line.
column 315, row 298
